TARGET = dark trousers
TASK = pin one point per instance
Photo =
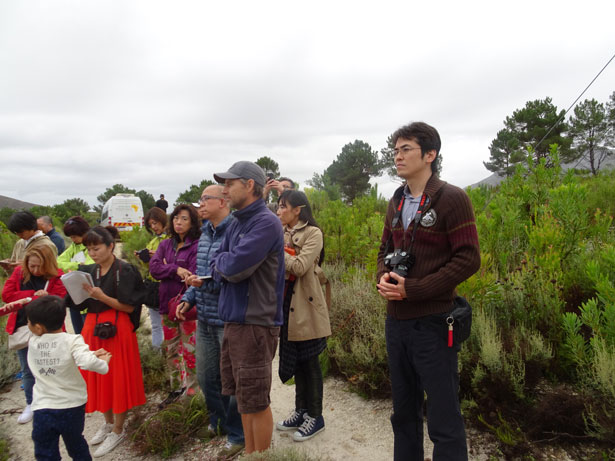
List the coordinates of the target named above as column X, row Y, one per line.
column 47, row 427
column 420, row 361
column 76, row 319
column 308, row 387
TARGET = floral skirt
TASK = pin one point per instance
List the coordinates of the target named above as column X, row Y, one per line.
column 179, row 343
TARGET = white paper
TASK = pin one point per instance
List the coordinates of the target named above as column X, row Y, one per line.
column 78, row 258
column 73, row 281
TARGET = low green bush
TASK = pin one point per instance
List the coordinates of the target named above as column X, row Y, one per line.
column 280, row 454
column 357, row 347
column 166, row 432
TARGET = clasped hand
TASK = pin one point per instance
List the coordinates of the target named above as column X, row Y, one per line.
column 390, row 291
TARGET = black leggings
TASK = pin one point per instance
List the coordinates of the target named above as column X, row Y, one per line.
column 308, row 387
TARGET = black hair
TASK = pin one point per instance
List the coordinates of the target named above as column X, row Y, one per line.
column 296, row 198
column 76, row 225
column 157, row 214
column 425, row 136
column 292, row 183
column 98, row 235
column 195, row 227
column 22, row 221
column 48, row 311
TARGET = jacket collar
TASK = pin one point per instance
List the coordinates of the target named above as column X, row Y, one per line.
column 220, row 228
column 252, row 209
column 300, row 225
column 434, row 184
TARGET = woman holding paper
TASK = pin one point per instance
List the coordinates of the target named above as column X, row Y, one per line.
column 116, row 292
column 173, row 262
column 75, row 228
column 37, row 276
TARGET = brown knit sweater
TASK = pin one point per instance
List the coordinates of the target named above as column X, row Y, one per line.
column 446, row 253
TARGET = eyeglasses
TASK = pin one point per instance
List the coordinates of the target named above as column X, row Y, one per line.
column 405, row 149
column 204, row 198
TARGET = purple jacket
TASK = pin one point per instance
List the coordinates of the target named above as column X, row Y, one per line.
column 170, row 283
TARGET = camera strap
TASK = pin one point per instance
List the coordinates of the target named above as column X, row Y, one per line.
column 417, row 217
column 117, row 283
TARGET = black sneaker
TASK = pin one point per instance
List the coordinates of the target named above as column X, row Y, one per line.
column 293, row 422
column 309, row 428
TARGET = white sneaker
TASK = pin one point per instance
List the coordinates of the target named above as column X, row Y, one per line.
column 111, row 441
column 101, row 434
column 26, row 415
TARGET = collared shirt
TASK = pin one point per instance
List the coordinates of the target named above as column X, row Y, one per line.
column 411, row 206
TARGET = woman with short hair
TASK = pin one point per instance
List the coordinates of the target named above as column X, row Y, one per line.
column 37, row 276
column 75, row 228
column 173, row 262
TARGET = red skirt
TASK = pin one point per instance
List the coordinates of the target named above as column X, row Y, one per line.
column 122, row 387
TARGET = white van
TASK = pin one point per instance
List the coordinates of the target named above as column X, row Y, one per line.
column 122, row 211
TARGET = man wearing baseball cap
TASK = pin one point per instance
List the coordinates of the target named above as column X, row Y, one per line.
column 249, row 264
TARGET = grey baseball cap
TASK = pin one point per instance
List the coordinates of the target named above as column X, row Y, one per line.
column 243, row 170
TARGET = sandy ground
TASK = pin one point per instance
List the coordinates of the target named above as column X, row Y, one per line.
column 356, row 429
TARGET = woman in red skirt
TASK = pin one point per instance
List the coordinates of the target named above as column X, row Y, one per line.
column 117, row 292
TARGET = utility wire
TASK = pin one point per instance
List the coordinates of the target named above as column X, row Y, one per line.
column 575, row 101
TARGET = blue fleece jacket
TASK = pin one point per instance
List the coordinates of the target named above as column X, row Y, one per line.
column 250, row 266
column 206, row 296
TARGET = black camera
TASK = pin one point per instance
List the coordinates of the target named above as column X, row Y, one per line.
column 105, row 330
column 270, row 175
column 400, row 262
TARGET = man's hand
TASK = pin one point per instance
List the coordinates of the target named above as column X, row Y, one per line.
column 194, row 281
column 390, row 291
column 182, row 308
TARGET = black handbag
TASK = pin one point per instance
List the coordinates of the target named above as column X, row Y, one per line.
column 459, row 321
column 152, row 298
column 455, row 325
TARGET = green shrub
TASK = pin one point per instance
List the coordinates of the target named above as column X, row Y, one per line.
column 135, row 240
column 153, row 362
column 357, row 346
column 280, row 454
column 169, row 430
column 8, row 358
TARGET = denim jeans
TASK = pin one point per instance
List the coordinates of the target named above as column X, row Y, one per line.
column 420, row 361
column 156, row 321
column 222, row 408
column 47, row 427
column 308, row 387
column 27, row 379
column 77, row 319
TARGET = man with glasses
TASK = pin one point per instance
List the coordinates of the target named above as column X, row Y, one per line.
column 250, row 266
column 204, row 292
column 433, row 222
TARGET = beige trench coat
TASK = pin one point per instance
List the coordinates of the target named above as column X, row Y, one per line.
column 308, row 316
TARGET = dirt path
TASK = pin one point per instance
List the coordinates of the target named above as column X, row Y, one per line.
column 356, row 429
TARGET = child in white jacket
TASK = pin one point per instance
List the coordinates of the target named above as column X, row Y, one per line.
column 59, row 394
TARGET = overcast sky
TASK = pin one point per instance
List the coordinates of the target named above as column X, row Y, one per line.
column 160, row 95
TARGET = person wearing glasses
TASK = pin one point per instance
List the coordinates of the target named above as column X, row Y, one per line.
column 434, row 222
column 172, row 264
column 223, row 415
column 75, row 228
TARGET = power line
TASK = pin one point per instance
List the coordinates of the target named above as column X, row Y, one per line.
column 575, row 101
